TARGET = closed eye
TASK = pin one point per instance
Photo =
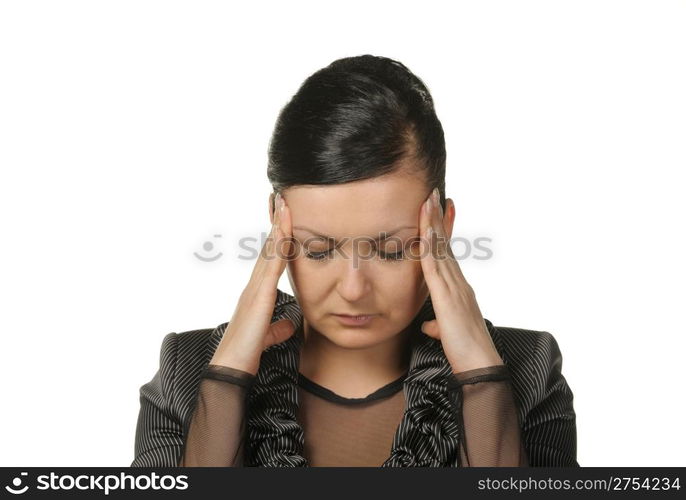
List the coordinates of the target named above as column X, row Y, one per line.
column 322, row 255
column 317, row 255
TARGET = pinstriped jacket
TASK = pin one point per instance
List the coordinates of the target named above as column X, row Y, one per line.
column 543, row 397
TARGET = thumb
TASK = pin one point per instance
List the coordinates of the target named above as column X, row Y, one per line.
column 279, row 331
column 431, row 329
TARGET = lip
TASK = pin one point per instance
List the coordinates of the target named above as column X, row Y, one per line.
column 360, row 320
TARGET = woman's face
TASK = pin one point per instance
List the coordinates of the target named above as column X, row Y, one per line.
column 354, row 277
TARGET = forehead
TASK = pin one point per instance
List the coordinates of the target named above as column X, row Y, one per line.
column 357, row 208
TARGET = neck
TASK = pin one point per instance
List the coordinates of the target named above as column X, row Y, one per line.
column 353, row 373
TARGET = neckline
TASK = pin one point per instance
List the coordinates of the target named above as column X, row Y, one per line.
column 321, row 391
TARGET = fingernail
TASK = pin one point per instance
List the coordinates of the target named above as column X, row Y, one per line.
column 281, row 202
column 435, row 196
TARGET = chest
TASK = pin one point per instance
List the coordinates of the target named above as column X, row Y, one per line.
column 353, row 435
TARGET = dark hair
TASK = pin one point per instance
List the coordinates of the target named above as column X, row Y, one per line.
column 357, row 118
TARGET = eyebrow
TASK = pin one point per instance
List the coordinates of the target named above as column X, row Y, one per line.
column 382, row 237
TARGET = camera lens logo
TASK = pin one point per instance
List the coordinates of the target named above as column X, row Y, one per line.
column 16, row 483
column 208, row 246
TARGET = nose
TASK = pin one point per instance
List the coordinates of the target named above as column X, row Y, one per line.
column 354, row 282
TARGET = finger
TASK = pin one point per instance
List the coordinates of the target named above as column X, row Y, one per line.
column 282, row 243
column 287, row 226
column 430, row 328
column 274, row 243
column 443, row 249
column 279, row 331
column 447, row 277
column 285, row 237
column 446, row 261
column 267, row 252
column 429, row 264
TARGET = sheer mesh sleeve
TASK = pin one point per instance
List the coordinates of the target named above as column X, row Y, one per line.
column 216, row 431
column 487, row 414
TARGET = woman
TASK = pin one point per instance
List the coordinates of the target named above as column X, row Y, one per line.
column 382, row 356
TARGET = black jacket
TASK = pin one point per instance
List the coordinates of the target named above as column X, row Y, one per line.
column 544, row 400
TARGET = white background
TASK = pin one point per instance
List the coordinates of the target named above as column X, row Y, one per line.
column 133, row 131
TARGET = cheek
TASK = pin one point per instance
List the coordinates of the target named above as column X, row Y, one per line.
column 307, row 278
column 406, row 283
column 407, row 272
column 301, row 278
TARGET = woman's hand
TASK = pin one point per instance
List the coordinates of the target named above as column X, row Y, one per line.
column 249, row 331
column 459, row 324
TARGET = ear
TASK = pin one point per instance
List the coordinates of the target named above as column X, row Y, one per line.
column 449, row 217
